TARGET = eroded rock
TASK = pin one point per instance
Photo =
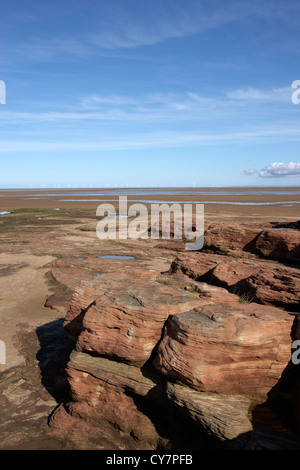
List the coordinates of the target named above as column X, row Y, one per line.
column 230, row 348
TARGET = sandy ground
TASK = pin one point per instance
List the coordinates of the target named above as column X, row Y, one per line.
column 22, row 297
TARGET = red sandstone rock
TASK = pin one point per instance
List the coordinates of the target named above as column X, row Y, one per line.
column 238, row 239
column 279, row 286
column 217, row 356
column 103, row 391
column 196, row 265
column 230, row 348
column 225, row 238
column 277, row 244
column 80, row 434
column 123, row 316
column 262, row 281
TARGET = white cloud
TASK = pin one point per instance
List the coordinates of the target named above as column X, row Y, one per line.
column 281, row 170
column 254, row 94
column 250, row 172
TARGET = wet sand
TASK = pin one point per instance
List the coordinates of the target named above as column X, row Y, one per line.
column 283, row 202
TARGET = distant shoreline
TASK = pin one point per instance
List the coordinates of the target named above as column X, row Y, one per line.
column 158, row 188
column 260, row 201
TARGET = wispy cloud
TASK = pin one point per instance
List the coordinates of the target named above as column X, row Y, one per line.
column 161, row 107
column 154, row 22
column 123, row 25
column 162, row 139
column 254, row 94
column 249, row 172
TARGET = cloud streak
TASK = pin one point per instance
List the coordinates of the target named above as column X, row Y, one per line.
column 119, row 26
column 274, row 95
column 249, row 172
column 156, row 140
column 185, row 107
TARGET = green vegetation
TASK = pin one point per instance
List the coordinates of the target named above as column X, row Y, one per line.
column 168, row 282
column 245, row 298
column 38, row 218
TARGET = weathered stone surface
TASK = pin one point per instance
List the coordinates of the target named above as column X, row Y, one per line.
column 230, row 348
column 95, row 400
column 235, row 240
column 279, row 286
column 277, row 244
column 78, row 434
column 225, row 238
column 228, row 272
column 222, row 416
column 262, row 281
column 130, row 378
column 134, row 402
column 210, row 294
column 196, row 265
column 122, row 316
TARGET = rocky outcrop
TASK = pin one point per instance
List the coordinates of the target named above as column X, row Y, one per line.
column 253, row 280
column 295, row 225
column 276, row 244
column 224, row 238
column 124, row 315
column 196, row 357
column 242, row 240
column 229, row 348
column 107, row 393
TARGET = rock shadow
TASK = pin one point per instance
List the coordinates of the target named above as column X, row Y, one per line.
column 53, row 356
column 276, row 421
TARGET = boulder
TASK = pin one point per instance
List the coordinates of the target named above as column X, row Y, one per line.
column 222, row 416
column 230, row 239
column 134, row 402
column 283, row 245
column 229, row 349
column 196, row 265
column 122, row 316
column 253, row 280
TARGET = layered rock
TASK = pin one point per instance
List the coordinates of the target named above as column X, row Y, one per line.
column 133, row 401
column 262, row 281
column 277, row 244
column 196, row 351
column 225, row 238
column 230, row 348
column 103, row 390
column 238, row 240
column 122, row 316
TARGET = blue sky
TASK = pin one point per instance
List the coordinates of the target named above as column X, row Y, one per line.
column 117, row 93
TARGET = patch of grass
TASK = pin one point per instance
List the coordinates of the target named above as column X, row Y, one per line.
column 192, row 290
column 165, row 281
column 168, row 282
column 245, row 299
column 31, row 211
column 32, row 220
